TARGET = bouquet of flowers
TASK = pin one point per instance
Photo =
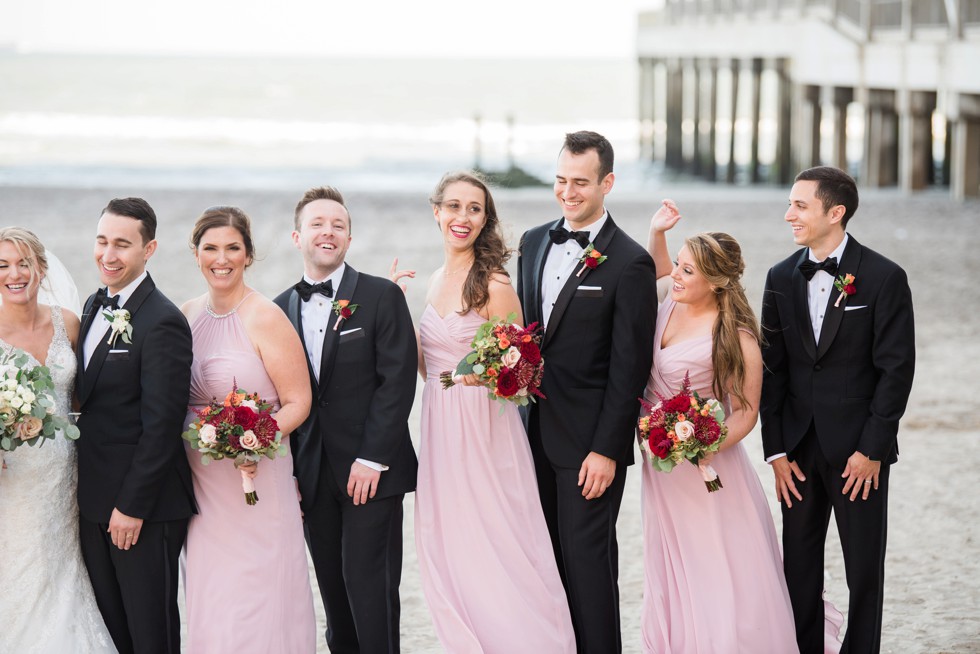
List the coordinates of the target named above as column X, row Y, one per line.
column 683, row 427
column 27, row 403
column 506, row 358
column 240, row 428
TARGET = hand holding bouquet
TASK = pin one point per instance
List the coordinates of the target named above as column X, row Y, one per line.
column 683, row 427
column 506, row 358
column 27, row 404
column 240, row 428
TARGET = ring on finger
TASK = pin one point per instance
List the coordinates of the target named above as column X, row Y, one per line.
column 867, row 482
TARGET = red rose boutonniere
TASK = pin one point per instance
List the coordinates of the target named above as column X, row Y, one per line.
column 844, row 284
column 591, row 259
column 344, row 310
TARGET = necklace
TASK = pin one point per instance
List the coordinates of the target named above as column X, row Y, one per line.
column 215, row 314
column 456, row 272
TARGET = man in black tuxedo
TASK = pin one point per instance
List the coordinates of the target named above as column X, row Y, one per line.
column 353, row 457
column 597, row 348
column 134, row 484
column 839, row 362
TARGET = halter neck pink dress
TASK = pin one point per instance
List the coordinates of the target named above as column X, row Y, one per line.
column 487, row 564
column 246, row 578
column 713, row 573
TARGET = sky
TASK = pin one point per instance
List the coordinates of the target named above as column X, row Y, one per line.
column 354, row 28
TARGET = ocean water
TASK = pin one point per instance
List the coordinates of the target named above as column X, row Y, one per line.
column 92, row 120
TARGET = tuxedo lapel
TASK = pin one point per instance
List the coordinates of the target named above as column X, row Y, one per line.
column 801, row 308
column 88, row 315
column 850, row 262
column 94, row 367
column 540, row 256
column 345, row 291
column 601, row 242
column 295, row 314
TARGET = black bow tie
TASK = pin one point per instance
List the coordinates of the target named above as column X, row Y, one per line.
column 105, row 301
column 306, row 289
column 809, row 268
column 559, row 235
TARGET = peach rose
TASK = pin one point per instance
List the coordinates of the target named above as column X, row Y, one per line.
column 684, row 430
column 29, row 428
column 250, row 441
column 511, row 357
column 208, row 435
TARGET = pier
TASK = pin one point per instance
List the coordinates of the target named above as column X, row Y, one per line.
column 752, row 91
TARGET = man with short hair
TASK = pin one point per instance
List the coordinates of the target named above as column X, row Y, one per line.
column 599, row 319
column 839, row 360
column 135, row 494
column 353, row 457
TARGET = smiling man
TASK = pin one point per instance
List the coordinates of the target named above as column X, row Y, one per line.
column 840, row 354
column 353, row 457
column 598, row 344
column 134, row 487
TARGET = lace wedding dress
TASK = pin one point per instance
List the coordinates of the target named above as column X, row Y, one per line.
column 46, row 599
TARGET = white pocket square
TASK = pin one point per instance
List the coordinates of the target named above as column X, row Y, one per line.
column 862, row 306
column 350, row 331
column 117, row 351
column 589, row 288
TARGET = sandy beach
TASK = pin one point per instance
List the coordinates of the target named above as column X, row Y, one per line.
column 931, row 598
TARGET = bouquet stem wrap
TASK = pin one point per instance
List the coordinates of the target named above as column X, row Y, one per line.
column 248, row 485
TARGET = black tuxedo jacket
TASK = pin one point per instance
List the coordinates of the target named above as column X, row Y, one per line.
column 597, row 349
column 854, row 384
column 361, row 403
column 133, row 402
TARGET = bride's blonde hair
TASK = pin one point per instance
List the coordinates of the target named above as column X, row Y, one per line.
column 29, row 246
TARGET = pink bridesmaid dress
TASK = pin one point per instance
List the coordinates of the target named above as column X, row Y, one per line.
column 246, row 578
column 487, row 564
column 713, row 573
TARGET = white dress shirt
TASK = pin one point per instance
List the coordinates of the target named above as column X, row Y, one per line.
column 100, row 326
column 818, row 291
column 317, row 317
column 562, row 262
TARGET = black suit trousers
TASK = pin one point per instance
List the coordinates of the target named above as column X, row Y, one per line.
column 583, row 534
column 862, row 528
column 357, row 555
column 136, row 589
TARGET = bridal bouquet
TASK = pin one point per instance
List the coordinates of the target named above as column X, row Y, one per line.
column 27, row 403
column 506, row 358
column 240, row 428
column 683, row 428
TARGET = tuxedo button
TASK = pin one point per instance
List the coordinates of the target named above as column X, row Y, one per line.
column 323, row 403
column 817, row 367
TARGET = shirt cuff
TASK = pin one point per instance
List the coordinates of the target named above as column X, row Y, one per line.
column 775, row 456
column 380, row 467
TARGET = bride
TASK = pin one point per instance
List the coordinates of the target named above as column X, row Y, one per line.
column 47, row 602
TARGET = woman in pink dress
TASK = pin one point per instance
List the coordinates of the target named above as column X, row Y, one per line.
column 246, row 578
column 713, row 576
column 487, row 565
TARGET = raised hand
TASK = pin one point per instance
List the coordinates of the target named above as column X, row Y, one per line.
column 666, row 217
column 394, row 275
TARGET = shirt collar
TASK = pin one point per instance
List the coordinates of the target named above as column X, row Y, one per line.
column 127, row 292
column 838, row 252
column 593, row 229
column 336, row 276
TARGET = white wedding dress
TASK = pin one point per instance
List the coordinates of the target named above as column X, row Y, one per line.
column 46, row 600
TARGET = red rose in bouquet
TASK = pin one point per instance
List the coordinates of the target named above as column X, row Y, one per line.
column 507, row 360
column 239, row 428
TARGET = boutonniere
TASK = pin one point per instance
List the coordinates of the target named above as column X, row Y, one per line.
column 844, row 284
column 591, row 259
column 344, row 310
column 119, row 325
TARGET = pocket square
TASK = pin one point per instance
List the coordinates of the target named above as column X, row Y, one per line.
column 863, row 306
column 588, row 291
column 350, row 331
column 117, row 355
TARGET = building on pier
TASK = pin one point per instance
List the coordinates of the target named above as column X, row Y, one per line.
column 755, row 90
